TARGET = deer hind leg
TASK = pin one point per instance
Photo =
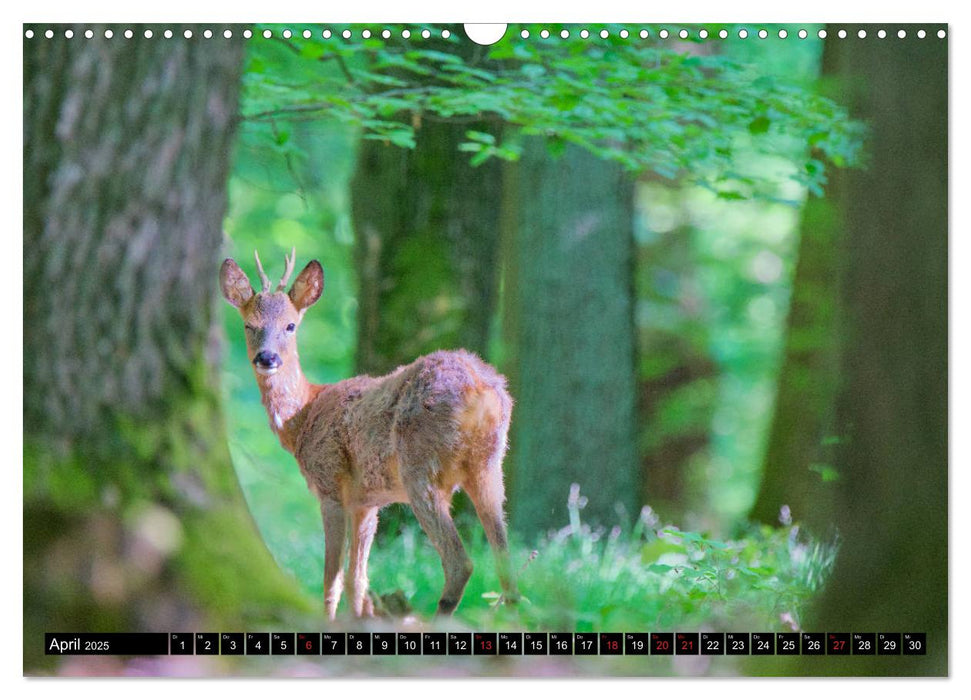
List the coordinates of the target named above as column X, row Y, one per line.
column 485, row 490
column 364, row 523
column 431, row 508
column 334, row 532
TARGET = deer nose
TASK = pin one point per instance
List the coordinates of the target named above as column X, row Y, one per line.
column 266, row 360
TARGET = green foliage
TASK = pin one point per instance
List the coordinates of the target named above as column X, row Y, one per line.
column 655, row 105
column 643, row 576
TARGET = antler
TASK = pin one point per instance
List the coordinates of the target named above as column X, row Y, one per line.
column 288, row 270
column 259, row 268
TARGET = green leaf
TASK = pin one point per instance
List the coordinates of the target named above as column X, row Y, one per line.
column 759, row 125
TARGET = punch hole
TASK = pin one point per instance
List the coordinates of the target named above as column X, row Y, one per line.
column 227, row 34
column 148, row 34
column 366, row 34
column 783, row 34
column 287, row 34
column 207, row 34
column 861, row 33
column 584, row 34
column 821, row 33
column 425, row 34
column 327, row 34
column 446, row 34
column 841, row 33
column 624, row 33
column 921, row 34
column 763, row 34
column 902, row 34
column 545, row 34
column 129, row 33
column 406, row 33
column 742, row 34
column 109, row 33
column 29, row 34
column 663, row 33
column 267, row 34
column 346, row 33
column 69, row 34
column 524, row 34
column 307, row 33
column 941, row 34
column 386, row 34
column 723, row 34
column 488, row 34
column 247, row 34
column 89, row 34
column 187, row 33
column 683, row 34
column 803, row 33
column 604, row 33
column 703, row 33
column 645, row 34
column 882, row 34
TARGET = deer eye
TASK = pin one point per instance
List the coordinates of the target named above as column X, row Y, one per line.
column 291, row 327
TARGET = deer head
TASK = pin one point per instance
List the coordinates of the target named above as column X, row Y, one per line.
column 272, row 317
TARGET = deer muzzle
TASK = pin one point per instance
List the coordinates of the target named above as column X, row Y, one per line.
column 267, row 363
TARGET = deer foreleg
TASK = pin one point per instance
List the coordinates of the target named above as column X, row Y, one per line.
column 364, row 523
column 334, row 535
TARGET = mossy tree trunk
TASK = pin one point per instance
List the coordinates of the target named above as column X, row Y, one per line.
column 892, row 408
column 569, row 328
column 133, row 518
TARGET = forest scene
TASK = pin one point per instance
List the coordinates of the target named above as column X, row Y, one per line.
column 712, row 267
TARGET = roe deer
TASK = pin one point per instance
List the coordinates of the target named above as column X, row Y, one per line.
column 413, row 436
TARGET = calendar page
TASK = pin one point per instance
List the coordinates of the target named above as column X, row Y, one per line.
column 519, row 350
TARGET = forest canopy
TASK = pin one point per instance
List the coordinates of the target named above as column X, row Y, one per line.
column 678, row 108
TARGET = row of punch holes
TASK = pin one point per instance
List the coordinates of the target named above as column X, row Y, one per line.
column 525, row 34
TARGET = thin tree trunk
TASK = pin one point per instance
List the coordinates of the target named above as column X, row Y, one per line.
column 133, row 518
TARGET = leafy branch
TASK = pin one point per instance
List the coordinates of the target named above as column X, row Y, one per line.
column 670, row 109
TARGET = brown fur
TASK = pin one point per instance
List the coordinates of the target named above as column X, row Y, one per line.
column 412, row 436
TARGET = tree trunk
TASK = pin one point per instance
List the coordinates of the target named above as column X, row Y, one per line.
column 892, row 572
column 133, row 518
column 569, row 319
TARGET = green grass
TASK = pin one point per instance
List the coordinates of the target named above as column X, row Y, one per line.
column 641, row 578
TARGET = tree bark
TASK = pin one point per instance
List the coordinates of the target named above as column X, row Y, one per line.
column 133, row 518
column 568, row 304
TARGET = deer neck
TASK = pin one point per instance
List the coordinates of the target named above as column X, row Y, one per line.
column 285, row 394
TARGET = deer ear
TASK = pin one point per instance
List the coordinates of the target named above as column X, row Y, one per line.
column 234, row 283
column 308, row 286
